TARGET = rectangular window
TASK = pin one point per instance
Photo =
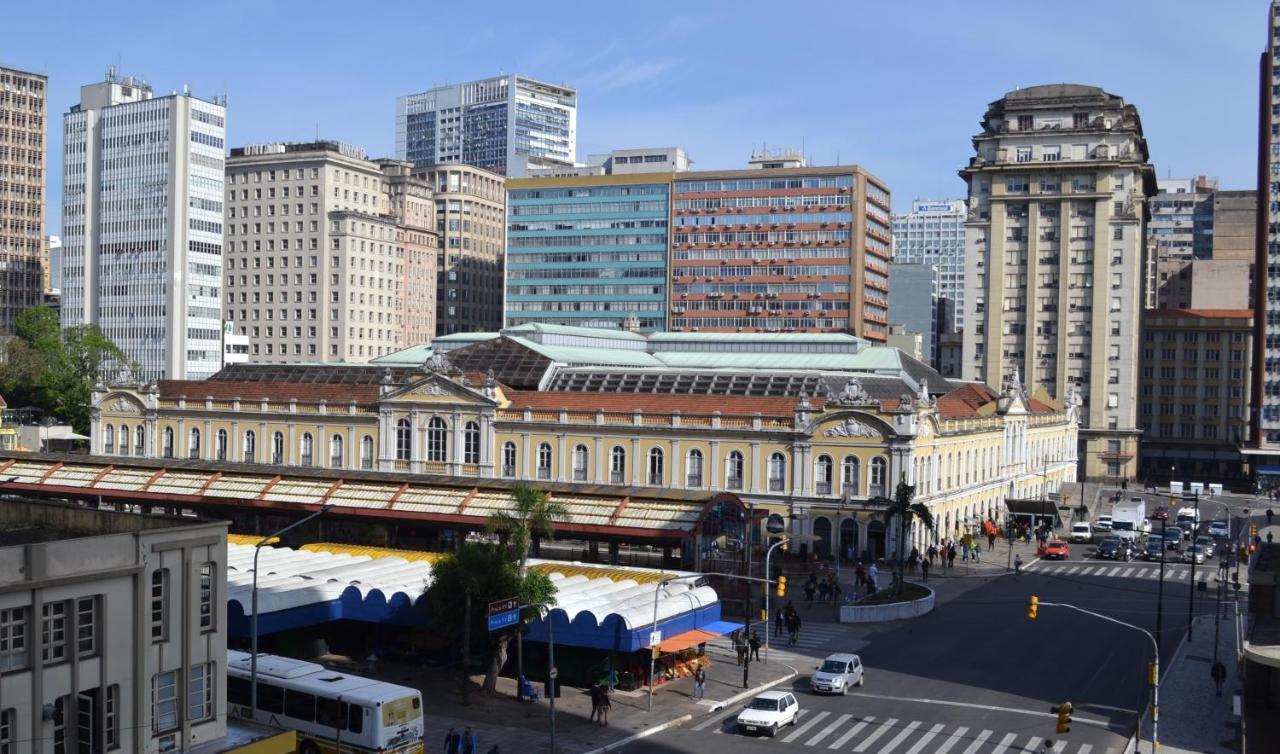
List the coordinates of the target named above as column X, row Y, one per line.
column 7, row 719
column 206, row 597
column 13, row 639
column 300, row 705
column 164, row 701
column 159, row 604
column 111, row 715
column 200, row 693
column 87, row 626
column 53, row 631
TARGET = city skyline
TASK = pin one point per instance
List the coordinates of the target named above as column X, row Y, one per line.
column 667, row 84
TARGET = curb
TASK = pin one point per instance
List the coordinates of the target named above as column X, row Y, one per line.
column 689, row 716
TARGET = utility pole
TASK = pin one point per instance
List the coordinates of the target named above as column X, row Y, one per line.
column 1191, row 600
column 1164, row 547
column 746, row 635
column 466, row 650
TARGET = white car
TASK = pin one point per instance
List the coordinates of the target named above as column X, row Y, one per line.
column 1103, row 523
column 768, row 712
column 836, row 674
column 1219, row 529
column 1081, row 532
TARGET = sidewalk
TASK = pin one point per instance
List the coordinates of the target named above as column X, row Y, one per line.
column 524, row 727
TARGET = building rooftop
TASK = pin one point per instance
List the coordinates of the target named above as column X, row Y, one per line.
column 1199, row 313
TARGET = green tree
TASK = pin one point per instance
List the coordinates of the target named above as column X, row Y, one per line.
column 487, row 573
column 902, row 507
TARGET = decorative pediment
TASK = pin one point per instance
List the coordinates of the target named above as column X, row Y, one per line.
column 853, row 428
column 436, row 388
column 120, row 404
column 853, row 394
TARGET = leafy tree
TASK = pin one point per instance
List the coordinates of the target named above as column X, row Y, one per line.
column 488, row 573
column 905, row 510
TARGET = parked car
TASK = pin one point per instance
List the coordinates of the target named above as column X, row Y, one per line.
column 1054, row 549
column 1154, row 548
column 1160, row 513
column 836, row 674
column 1115, row 548
column 1103, row 523
column 1172, row 537
column 1220, row 529
column 1081, row 532
column 768, row 712
column 1193, row 554
column 1207, row 544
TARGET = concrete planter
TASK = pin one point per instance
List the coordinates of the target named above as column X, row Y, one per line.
column 893, row 611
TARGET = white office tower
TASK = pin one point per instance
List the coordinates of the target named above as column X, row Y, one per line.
column 142, row 224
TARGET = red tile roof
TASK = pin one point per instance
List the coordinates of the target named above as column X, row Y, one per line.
column 1202, row 313
column 965, row 401
column 220, row 390
column 729, row 405
column 1039, row 407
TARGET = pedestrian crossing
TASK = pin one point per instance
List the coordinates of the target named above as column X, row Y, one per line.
column 1134, row 570
column 815, row 639
column 868, row 734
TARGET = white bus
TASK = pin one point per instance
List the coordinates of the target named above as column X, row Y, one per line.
column 333, row 712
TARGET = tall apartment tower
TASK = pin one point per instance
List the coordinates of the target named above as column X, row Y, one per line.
column 321, row 249
column 1265, row 427
column 932, row 233
column 23, row 157
column 781, row 246
column 142, row 204
column 1055, row 242
column 506, row 124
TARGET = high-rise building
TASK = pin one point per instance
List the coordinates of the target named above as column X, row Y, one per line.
column 142, row 204
column 1235, row 218
column 1054, row 286
column 1203, row 284
column 505, row 124
column 621, row 161
column 23, row 157
column 932, row 233
column 589, row 251
column 781, row 246
column 913, row 303
column 1265, row 442
column 471, row 219
column 323, row 246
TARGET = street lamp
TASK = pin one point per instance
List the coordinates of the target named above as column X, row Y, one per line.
column 653, row 650
column 253, row 623
column 768, row 575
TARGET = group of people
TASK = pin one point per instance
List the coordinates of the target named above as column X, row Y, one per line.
column 600, row 704
column 464, row 742
column 867, row 577
column 788, row 618
column 827, row 588
column 746, row 646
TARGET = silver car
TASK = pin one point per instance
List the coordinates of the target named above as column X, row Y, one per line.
column 1193, row 554
column 836, row 674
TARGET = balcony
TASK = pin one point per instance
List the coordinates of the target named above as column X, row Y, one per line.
column 366, row 464
column 734, row 483
column 544, row 472
column 776, row 485
column 617, row 476
column 693, row 480
column 194, row 454
column 823, row 488
column 655, row 478
column 248, row 456
column 306, row 459
column 579, row 475
column 335, row 461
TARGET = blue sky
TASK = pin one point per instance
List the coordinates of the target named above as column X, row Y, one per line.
column 897, row 87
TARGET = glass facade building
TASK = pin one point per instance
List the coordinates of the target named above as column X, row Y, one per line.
column 588, row 251
column 933, row 234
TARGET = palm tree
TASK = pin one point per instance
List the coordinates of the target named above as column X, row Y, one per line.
column 534, row 513
column 905, row 510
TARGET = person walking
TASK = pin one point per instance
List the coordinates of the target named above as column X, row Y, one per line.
column 700, row 681
column 754, row 643
column 468, row 744
column 740, row 646
column 1219, row 673
column 604, row 706
column 873, row 579
column 977, row 552
column 991, row 541
column 1270, row 513
column 793, row 626
column 595, row 701
column 924, row 570
column 1017, row 565
column 451, row 741
column 951, row 555
column 779, row 621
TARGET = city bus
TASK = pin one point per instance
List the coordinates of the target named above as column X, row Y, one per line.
column 333, row 712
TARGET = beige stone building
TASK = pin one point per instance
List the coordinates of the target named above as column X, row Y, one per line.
column 23, row 156
column 471, row 218
column 1204, row 283
column 1055, row 240
column 322, row 247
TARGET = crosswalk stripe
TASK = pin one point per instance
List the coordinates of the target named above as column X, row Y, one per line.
column 878, row 732
column 1086, row 749
column 1004, row 743
column 855, row 730
column 1059, row 747
column 952, row 741
column 1113, row 571
column 925, row 739
column 798, row 732
column 1030, row 746
column 979, row 741
column 898, row 739
column 1072, row 570
column 827, row 730
column 713, row 720
column 1128, row 571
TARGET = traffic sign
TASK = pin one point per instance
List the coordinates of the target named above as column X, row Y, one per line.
column 504, row 613
column 655, row 638
column 555, row 672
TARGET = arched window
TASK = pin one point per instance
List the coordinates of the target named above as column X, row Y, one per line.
column 544, row 460
column 168, row 442
column 220, row 445
column 509, row 459
column 693, row 468
column 335, row 451
column 822, row 475
column 109, row 439
column 124, row 439
column 438, row 440
column 580, row 460
column 618, row 465
column 471, row 443
column 777, row 472
column 366, row 452
column 404, row 439
column 655, row 466
column 193, row 444
column 733, row 468
column 307, row 448
column 878, row 474
column 140, row 441
column 277, row 448
column 250, row 446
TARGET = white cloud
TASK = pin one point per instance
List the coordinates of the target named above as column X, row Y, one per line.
column 625, row 73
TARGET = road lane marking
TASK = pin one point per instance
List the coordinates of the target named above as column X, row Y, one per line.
column 898, row 739
column 827, row 731
column 1125, row 575
column 798, row 732
column 1098, row 722
column 878, row 732
column 855, row 730
column 952, row 741
column 979, row 741
column 1004, row 743
column 1073, row 569
column 1058, row 747
column 1086, row 749
column 925, row 739
column 1113, row 572
column 1030, row 746
column 715, row 719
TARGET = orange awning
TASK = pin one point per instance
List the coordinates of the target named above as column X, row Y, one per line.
column 684, row 640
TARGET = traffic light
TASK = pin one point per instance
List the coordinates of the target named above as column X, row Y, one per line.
column 1064, row 717
column 1253, row 530
column 781, row 591
column 1034, row 608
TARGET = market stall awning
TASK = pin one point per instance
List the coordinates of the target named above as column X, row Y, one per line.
column 696, row 636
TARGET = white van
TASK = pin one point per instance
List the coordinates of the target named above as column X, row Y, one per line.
column 1081, row 532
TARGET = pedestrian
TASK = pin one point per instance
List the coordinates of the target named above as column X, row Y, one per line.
column 595, row 701
column 778, row 622
column 914, row 557
column 924, row 569
column 1270, row 513
column 964, row 553
column 991, row 542
column 873, row 579
column 451, row 741
column 793, row 629
column 1017, row 565
column 860, row 575
column 977, row 552
column 469, row 744
column 754, row 642
column 604, row 706
column 951, row 555
column 1219, row 673
column 700, row 681
column 824, row 590
column 740, row 646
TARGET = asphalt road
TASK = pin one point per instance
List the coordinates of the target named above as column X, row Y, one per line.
column 976, row 676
